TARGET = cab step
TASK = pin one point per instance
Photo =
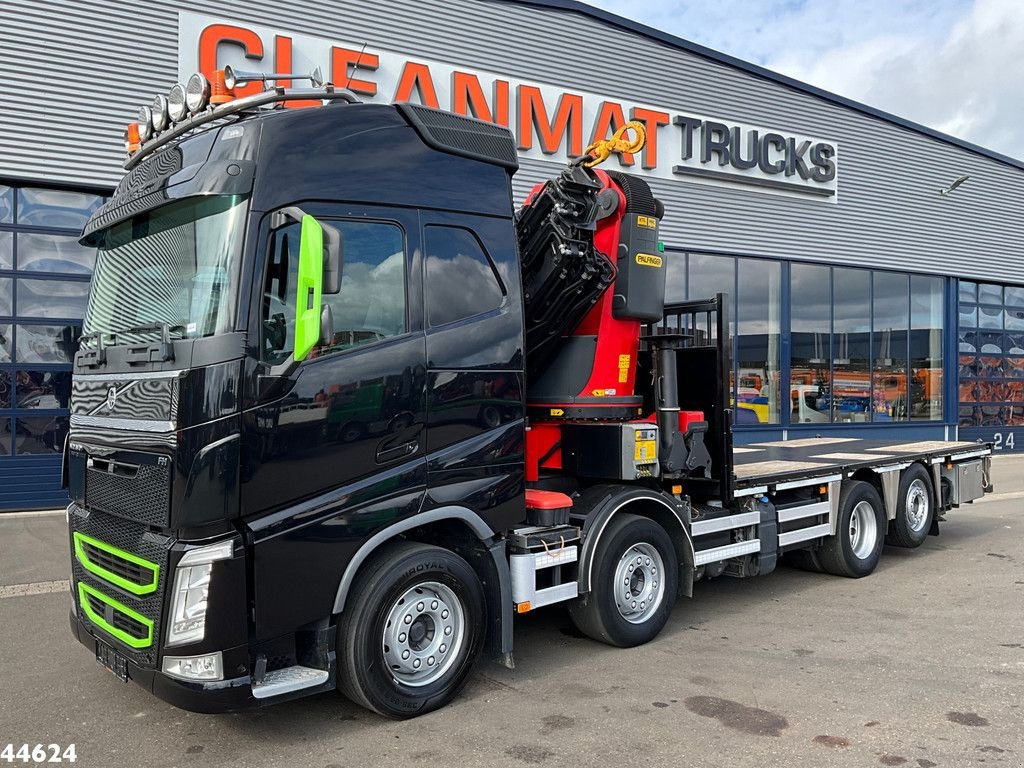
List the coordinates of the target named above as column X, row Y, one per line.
column 287, row 680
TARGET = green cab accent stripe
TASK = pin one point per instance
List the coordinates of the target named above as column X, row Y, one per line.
column 85, row 591
column 108, row 575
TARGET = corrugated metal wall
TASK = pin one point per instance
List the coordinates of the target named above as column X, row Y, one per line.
column 74, row 71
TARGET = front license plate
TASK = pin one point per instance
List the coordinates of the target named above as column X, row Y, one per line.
column 112, row 661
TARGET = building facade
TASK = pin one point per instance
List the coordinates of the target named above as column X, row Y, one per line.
column 864, row 300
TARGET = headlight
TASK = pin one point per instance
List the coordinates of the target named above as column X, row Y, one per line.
column 145, row 123
column 176, row 103
column 197, row 93
column 191, row 592
column 160, row 113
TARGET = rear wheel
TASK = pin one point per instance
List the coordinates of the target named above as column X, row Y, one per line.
column 411, row 630
column 915, row 511
column 857, row 546
column 634, row 586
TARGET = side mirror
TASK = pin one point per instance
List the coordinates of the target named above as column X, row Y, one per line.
column 334, row 258
column 326, row 325
column 309, row 287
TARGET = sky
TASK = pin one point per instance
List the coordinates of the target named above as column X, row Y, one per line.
column 954, row 65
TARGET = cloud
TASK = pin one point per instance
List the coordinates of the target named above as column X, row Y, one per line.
column 953, row 66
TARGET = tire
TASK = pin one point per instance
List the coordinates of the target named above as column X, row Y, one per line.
column 857, row 546
column 604, row 614
column 915, row 511
column 434, row 592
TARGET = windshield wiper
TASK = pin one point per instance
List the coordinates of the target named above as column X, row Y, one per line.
column 158, row 352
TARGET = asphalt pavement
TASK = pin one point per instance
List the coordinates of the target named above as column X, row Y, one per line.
column 920, row 665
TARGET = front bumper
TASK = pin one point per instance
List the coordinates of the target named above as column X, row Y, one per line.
column 229, row 695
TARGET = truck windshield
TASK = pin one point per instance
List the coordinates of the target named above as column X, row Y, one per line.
column 175, row 266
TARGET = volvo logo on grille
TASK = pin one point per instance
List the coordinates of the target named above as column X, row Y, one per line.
column 111, row 398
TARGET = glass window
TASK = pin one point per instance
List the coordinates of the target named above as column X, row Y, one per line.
column 53, row 253
column 55, row 208
column 43, row 389
column 5, row 437
column 47, row 343
column 461, row 280
column 40, row 434
column 52, row 298
column 851, row 345
column 176, row 265
column 1014, row 296
column 371, row 304
column 889, row 346
column 6, row 343
column 6, row 298
column 6, row 205
column 1014, row 319
column 6, row 250
column 927, row 310
column 990, row 317
column 968, row 292
column 810, row 375
column 990, row 294
column 675, row 276
column 5, row 389
column 708, row 275
column 758, row 304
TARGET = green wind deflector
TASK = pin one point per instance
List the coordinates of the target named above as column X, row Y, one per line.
column 310, row 284
column 136, row 588
column 85, row 592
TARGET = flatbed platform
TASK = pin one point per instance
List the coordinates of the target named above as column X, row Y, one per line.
column 760, row 464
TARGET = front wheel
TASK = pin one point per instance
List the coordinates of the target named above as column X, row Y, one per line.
column 635, row 584
column 411, row 631
column 857, row 546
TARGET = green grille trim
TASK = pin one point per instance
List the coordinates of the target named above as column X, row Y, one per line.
column 107, row 575
column 85, row 591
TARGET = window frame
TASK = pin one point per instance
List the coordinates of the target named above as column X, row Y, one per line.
column 430, row 327
column 330, row 215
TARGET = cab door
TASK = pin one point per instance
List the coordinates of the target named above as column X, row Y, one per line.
column 341, row 453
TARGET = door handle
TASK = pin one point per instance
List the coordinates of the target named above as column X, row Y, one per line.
column 398, row 452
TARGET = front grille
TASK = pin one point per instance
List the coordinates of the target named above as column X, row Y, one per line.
column 139, row 492
column 115, row 618
column 116, row 535
column 123, row 569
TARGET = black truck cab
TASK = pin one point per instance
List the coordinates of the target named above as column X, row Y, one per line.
column 193, row 423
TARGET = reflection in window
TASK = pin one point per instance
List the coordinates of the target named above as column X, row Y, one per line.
column 6, row 205
column 991, row 381
column 55, row 208
column 675, row 276
column 40, row 434
column 851, row 345
column 43, row 389
column 370, row 305
column 6, row 250
column 6, row 297
column 758, row 304
column 927, row 309
column 47, row 343
column 6, row 343
column 53, row 253
column 889, row 346
column 52, row 298
column 968, row 292
column 5, row 436
column 5, row 389
column 461, row 280
column 810, row 375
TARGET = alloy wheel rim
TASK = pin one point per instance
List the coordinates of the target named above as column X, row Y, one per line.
column 918, row 505
column 423, row 633
column 638, row 582
column 863, row 530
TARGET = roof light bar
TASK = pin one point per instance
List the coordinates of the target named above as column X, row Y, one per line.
column 197, row 93
column 176, row 107
column 161, row 117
